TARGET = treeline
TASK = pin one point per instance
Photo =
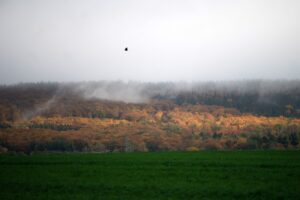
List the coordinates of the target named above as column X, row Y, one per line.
column 269, row 98
column 114, row 99
column 284, row 137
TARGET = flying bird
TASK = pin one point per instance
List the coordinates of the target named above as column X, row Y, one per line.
column 126, row 49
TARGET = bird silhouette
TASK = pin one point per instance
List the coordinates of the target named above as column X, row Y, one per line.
column 126, row 49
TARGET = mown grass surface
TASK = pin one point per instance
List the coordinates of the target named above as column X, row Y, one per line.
column 168, row 175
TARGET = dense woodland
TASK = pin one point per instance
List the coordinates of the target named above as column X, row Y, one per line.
column 133, row 116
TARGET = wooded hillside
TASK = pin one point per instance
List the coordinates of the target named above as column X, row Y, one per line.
column 117, row 116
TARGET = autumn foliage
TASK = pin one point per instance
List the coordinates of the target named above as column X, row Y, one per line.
column 38, row 120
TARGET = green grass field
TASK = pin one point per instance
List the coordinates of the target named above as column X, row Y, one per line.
column 167, row 175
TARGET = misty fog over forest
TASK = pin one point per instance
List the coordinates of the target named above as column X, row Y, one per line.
column 108, row 116
column 272, row 98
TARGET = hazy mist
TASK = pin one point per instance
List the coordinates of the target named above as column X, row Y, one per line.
column 168, row 40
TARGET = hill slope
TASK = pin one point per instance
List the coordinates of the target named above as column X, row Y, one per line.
column 152, row 117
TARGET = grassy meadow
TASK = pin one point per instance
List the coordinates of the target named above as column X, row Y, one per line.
column 165, row 175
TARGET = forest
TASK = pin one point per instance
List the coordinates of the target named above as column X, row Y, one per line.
column 121, row 116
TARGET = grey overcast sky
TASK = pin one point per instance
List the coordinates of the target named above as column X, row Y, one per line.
column 168, row 40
